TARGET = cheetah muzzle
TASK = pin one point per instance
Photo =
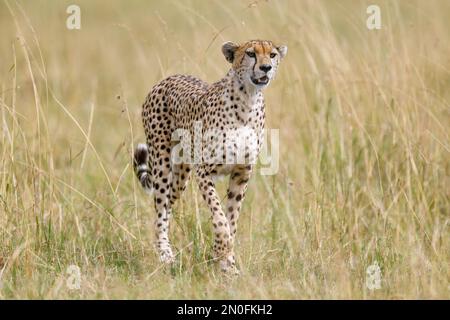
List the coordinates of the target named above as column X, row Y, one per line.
column 264, row 80
column 229, row 115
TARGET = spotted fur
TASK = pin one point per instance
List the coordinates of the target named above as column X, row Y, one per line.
column 231, row 113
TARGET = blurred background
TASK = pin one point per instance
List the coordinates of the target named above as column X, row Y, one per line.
column 364, row 150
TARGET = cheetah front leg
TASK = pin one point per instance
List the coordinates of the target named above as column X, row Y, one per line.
column 222, row 238
column 235, row 196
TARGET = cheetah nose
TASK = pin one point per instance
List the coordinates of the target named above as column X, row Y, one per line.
column 265, row 67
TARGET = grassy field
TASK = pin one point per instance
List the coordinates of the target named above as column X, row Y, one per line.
column 364, row 177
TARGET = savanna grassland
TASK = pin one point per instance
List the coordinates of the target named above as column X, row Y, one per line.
column 364, row 171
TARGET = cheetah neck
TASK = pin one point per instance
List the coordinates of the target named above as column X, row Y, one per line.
column 248, row 95
column 246, row 101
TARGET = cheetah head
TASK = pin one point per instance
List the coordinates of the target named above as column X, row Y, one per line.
column 255, row 62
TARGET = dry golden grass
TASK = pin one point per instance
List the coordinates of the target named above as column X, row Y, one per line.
column 364, row 150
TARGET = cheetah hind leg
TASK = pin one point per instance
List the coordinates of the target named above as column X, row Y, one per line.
column 161, row 179
column 144, row 174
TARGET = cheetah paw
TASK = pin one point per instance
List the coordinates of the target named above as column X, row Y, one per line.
column 166, row 256
column 228, row 266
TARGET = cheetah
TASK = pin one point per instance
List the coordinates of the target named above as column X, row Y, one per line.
column 229, row 117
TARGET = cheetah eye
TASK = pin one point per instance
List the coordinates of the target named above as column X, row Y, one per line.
column 251, row 54
column 273, row 55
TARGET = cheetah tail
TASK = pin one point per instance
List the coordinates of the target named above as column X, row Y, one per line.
column 141, row 167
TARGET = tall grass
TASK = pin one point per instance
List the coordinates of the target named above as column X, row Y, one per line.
column 364, row 150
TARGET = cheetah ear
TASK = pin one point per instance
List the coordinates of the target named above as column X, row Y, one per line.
column 228, row 50
column 282, row 50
